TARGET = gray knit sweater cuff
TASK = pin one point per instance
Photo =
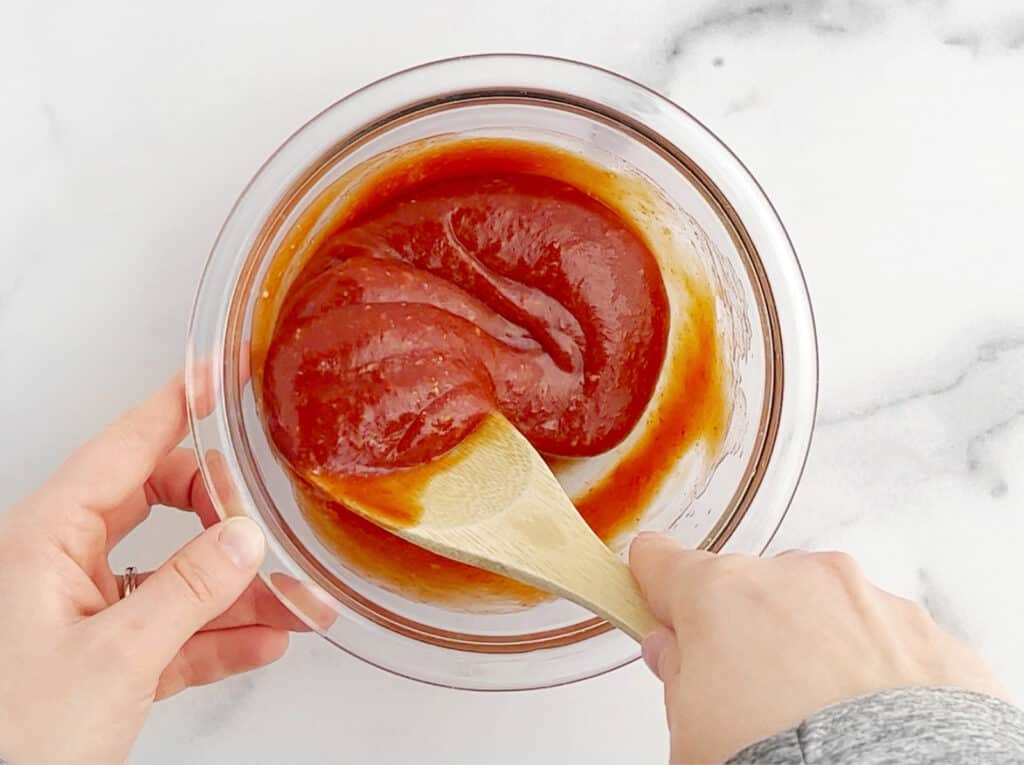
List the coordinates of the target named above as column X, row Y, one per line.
column 916, row 725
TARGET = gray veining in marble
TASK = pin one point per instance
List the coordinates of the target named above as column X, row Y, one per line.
column 887, row 134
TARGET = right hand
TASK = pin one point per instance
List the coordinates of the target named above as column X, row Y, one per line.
column 753, row 646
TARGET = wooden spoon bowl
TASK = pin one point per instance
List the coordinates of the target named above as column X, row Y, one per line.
column 492, row 502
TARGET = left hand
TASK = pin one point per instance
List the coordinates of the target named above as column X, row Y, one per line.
column 79, row 666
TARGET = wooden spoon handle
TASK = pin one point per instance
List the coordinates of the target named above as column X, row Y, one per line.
column 604, row 584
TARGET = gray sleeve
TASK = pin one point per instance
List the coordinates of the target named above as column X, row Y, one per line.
column 913, row 726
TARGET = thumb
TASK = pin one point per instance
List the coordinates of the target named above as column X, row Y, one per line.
column 660, row 652
column 198, row 583
column 662, row 569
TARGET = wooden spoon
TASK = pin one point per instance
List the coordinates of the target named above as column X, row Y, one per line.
column 492, row 502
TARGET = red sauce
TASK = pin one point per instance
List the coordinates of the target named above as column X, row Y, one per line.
column 693, row 408
column 470, row 278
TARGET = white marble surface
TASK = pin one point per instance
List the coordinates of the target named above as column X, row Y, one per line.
column 888, row 134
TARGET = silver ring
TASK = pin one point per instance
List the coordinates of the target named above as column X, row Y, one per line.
column 129, row 581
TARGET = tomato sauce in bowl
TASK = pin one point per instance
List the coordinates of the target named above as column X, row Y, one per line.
column 466, row 277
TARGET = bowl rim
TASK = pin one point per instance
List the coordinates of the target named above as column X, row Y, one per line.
column 794, row 423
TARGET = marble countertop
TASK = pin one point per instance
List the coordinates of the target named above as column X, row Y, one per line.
column 888, row 134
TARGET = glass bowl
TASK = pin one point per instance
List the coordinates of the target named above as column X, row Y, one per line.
column 701, row 201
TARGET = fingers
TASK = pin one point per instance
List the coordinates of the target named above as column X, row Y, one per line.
column 108, row 469
column 174, row 482
column 200, row 387
column 177, row 482
column 196, row 585
column 660, row 651
column 203, row 389
column 256, row 606
column 310, row 600
column 211, row 656
column 660, row 564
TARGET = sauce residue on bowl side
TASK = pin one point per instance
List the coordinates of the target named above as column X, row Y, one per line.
column 476, row 275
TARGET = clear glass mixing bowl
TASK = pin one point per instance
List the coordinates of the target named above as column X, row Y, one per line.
column 731, row 500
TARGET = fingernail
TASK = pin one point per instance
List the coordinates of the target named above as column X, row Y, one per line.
column 654, row 536
column 658, row 539
column 321, row 594
column 652, row 648
column 644, row 537
column 649, row 538
column 242, row 541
